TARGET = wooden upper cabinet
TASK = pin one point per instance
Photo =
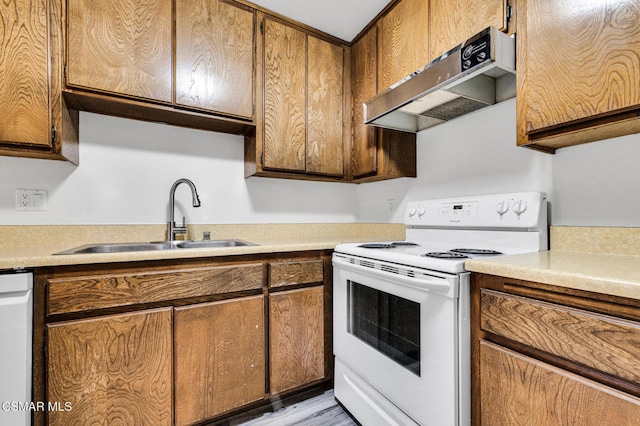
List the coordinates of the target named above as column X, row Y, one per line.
column 34, row 118
column 112, row 370
column 24, row 67
column 578, row 71
column 325, row 103
column 214, row 57
column 405, row 41
column 284, row 97
column 364, row 77
column 121, row 46
column 452, row 22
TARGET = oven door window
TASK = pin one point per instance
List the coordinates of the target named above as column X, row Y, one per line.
column 387, row 323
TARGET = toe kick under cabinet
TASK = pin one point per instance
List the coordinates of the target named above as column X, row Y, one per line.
column 543, row 354
column 179, row 342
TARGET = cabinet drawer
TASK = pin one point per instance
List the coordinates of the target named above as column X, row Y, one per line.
column 105, row 291
column 603, row 343
column 534, row 393
column 296, row 272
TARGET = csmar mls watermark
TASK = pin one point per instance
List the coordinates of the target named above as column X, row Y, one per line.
column 35, row 406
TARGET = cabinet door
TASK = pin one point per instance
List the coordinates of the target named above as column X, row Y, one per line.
column 284, row 97
column 325, row 104
column 452, row 22
column 111, row 370
column 405, row 40
column 24, row 68
column 296, row 338
column 516, row 389
column 121, row 46
column 363, row 87
column 214, row 57
column 576, row 61
column 219, row 357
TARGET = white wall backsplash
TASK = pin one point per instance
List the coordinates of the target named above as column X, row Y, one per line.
column 472, row 155
column 127, row 168
column 598, row 184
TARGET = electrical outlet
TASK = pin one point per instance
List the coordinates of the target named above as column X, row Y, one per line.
column 392, row 204
column 31, row 199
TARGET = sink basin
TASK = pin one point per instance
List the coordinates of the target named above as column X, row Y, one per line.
column 154, row 246
column 214, row 244
column 118, row 248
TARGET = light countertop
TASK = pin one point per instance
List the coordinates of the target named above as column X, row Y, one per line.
column 611, row 274
column 34, row 246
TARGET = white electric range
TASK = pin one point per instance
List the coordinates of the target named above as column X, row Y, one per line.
column 401, row 308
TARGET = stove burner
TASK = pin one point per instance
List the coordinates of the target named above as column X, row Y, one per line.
column 377, row 246
column 404, row 244
column 474, row 251
column 445, row 255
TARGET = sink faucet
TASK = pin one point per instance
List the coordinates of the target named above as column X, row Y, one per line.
column 172, row 228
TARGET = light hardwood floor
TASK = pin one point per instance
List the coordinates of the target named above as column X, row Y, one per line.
column 322, row 410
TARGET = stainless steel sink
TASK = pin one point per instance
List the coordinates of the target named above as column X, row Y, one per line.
column 118, row 248
column 154, row 246
column 214, row 244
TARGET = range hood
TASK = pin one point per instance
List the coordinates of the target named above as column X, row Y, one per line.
column 477, row 73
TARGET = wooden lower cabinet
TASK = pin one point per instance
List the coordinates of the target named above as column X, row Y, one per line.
column 219, row 357
column 111, row 370
column 520, row 390
column 546, row 355
column 296, row 344
column 179, row 341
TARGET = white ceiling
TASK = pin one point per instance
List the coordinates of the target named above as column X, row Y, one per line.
column 340, row 18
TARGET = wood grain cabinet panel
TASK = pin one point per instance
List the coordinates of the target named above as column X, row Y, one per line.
column 296, row 272
column 219, row 357
column 405, row 40
column 364, row 77
column 324, row 107
column 122, row 47
column 543, row 354
column 284, row 97
column 82, row 293
column 611, row 345
column 214, row 57
column 518, row 390
column 376, row 154
column 112, row 370
column 296, row 338
column 34, row 118
column 578, row 71
column 453, row 21
column 24, row 67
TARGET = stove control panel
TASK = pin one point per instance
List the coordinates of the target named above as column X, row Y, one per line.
column 517, row 210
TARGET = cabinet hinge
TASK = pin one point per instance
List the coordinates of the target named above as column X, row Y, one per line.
column 54, row 134
column 261, row 159
column 509, row 13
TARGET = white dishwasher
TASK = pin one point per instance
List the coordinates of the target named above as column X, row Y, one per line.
column 16, row 331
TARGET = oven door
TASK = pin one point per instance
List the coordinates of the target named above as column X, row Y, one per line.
column 396, row 328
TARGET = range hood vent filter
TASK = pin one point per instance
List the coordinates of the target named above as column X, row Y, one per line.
column 455, row 108
column 471, row 76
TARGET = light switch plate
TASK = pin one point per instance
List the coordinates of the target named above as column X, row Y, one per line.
column 31, row 199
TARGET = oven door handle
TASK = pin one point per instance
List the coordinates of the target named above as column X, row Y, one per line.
column 441, row 285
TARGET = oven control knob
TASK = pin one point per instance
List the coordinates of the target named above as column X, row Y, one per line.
column 412, row 211
column 520, row 207
column 502, row 207
column 421, row 211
